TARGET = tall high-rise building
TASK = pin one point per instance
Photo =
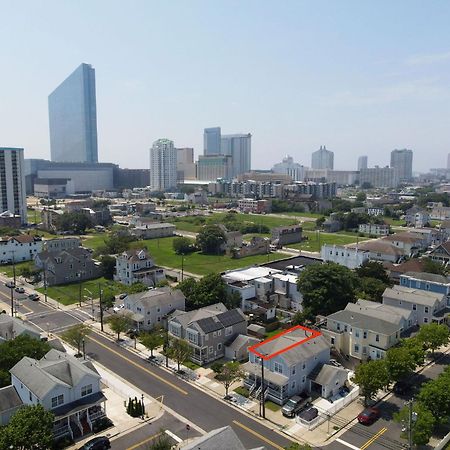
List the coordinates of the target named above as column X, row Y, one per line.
column 322, row 159
column 185, row 164
column 379, row 177
column 211, row 141
column 12, row 182
column 448, row 161
column 362, row 162
column 163, row 165
column 289, row 167
column 72, row 114
column 239, row 146
column 212, row 167
column 402, row 161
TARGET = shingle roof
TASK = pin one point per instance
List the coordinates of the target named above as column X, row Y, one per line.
column 9, row 399
column 11, row 327
column 425, row 276
column 411, row 295
column 156, row 297
column 222, row 320
column 221, row 439
column 379, row 246
column 55, row 368
column 324, row 374
column 185, row 318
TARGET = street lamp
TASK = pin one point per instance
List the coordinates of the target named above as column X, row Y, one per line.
column 84, row 348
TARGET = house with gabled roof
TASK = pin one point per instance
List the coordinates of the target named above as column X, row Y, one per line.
column 22, row 247
column 441, row 253
column 281, row 366
column 68, row 387
column 208, row 330
column 11, row 327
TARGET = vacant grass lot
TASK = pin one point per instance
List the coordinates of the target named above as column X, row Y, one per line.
column 33, row 216
column 8, row 270
column 316, row 240
column 194, row 223
column 198, row 263
column 68, row 294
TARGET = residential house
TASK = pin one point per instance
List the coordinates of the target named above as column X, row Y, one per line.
column 439, row 211
column 67, row 266
column 427, row 282
column 332, row 223
column 10, row 403
column 432, row 236
column 374, row 229
column 208, row 330
column 427, row 306
column 68, row 387
column 10, row 220
column 59, row 244
column 11, row 327
column 411, row 265
column 133, row 266
column 19, row 248
column 233, row 239
column 417, row 217
column 237, row 350
column 367, row 329
column 149, row 308
column 441, row 253
column 257, row 246
column 250, row 205
column 380, row 250
column 280, row 367
column 345, row 256
column 153, row 230
column 282, row 236
column 410, row 243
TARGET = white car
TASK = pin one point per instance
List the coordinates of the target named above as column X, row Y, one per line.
column 118, row 308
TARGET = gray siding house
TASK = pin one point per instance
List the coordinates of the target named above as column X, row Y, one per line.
column 208, row 330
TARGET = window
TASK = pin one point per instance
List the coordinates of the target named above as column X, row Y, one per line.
column 219, row 346
column 426, row 309
column 277, row 367
column 414, row 307
column 293, row 385
column 293, row 370
column 365, row 334
column 303, row 366
column 86, row 390
column 425, row 320
column 356, row 348
column 357, row 333
column 345, row 328
column 30, row 395
column 219, row 333
column 211, row 349
column 192, row 337
column 228, row 331
column 332, row 341
column 214, row 333
column 338, row 326
column 364, row 350
column 377, row 337
column 56, row 401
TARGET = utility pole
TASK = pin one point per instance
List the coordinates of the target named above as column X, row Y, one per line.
column 45, row 282
column 101, row 306
column 79, row 292
column 182, row 266
column 262, row 405
column 12, row 299
column 410, row 420
column 14, row 266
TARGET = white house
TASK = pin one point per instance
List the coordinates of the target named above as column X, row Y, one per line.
column 66, row 386
column 345, row 256
column 150, row 307
column 19, row 248
column 134, row 266
column 375, row 229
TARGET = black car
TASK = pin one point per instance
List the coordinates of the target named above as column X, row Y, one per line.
column 402, row 388
column 98, row 443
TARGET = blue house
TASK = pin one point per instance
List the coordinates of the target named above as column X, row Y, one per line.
column 430, row 282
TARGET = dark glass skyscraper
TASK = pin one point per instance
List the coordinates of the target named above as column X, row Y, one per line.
column 73, row 118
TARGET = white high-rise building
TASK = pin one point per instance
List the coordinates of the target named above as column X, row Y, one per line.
column 402, row 161
column 362, row 162
column 322, row 159
column 239, row 146
column 12, row 182
column 163, row 165
column 289, row 167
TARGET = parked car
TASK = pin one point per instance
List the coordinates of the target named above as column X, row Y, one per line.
column 118, row 308
column 295, row 404
column 20, row 290
column 368, row 416
column 34, row 297
column 98, row 443
column 122, row 296
column 335, row 363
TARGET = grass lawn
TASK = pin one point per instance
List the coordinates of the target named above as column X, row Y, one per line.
column 272, row 406
column 394, row 222
column 194, row 223
column 8, row 270
column 301, row 214
column 273, row 333
column 313, row 244
column 94, row 240
column 241, row 390
column 33, row 216
column 162, row 252
column 191, row 365
column 68, row 294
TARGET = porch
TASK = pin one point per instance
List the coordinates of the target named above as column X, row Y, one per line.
column 76, row 419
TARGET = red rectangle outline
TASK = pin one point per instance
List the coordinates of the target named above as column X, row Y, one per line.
column 314, row 334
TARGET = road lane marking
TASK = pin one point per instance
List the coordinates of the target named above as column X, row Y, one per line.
column 182, row 391
column 259, row 436
column 373, row 438
column 144, row 441
column 353, row 447
column 173, row 436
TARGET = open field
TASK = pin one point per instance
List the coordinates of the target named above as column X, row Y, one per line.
column 68, row 294
column 198, row 263
column 33, row 216
column 8, row 270
column 301, row 214
column 194, row 223
column 316, row 240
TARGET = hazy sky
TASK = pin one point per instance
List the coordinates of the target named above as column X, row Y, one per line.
column 361, row 77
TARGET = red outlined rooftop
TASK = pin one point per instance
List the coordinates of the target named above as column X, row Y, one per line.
column 294, row 344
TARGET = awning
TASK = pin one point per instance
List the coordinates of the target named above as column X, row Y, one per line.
column 79, row 405
column 273, row 377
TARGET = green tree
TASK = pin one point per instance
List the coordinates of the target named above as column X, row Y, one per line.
column 361, row 196
column 161, row 442
column 179, row 350
column 152, row 339
column 422, row 426
column 207, row 291
column 327, row 288
column 12, row 351
column 373, row 269
column 433, row 336
column 210, row 239
column 435, row 396
column 136, row 287
column 233, row 300
column 108, row 266
column 371, row 376
column 399, row 363
column 297, row 446
column 415, row 349
column 371, row 289
column 229, row 373
column 183, row 245
column 75, row 336
column 30, row 428
column 302, row 317
column 75, row 222
column 431, row 266
column 120, row 323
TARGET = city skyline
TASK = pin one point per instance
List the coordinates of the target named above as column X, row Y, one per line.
column 349, row 87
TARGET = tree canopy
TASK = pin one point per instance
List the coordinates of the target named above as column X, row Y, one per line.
column 75, row 335
column 76, row 222
column 371, row 376
column 433, row 336
column 327, row 288
column 210, row 239
column 183, row 245
column 119, row 323
column 229, row 373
